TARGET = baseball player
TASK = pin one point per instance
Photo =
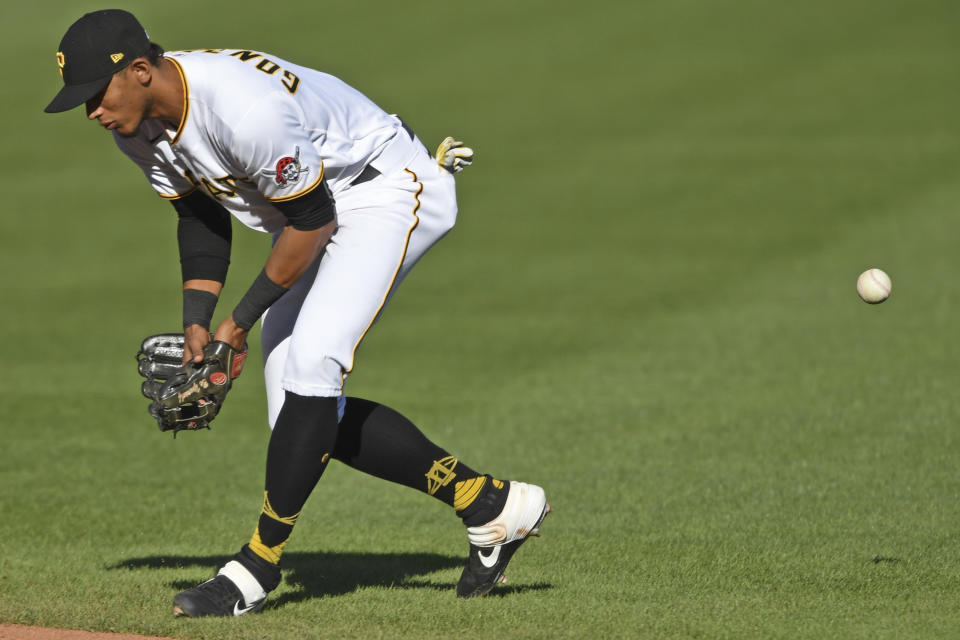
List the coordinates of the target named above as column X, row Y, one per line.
column 352, row 200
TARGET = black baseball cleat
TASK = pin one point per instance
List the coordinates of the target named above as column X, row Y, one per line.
column 493, row 544
column 234, row 591
column 218, row 596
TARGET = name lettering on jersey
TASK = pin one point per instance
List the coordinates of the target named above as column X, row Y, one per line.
column 289, row 79
column 245, row 55
column 269, row 67
column 288, row 170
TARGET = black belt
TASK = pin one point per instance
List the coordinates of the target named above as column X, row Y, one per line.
column 369, row 172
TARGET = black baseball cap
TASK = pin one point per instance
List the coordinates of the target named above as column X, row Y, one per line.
column 95, row 47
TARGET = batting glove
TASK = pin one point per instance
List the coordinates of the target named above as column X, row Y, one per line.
column 453, row 156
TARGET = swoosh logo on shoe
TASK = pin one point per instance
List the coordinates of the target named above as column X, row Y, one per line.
column 490, row 561
column 237, row 611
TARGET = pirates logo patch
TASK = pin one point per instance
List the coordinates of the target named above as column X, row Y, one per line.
column 288, row 170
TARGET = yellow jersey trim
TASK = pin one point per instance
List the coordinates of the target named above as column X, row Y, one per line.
column 186, row 101
column 177, row 196
column 294, row 196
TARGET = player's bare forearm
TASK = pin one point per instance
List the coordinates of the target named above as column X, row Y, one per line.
column 212, row 286
column 296, row 250
column 229, row 332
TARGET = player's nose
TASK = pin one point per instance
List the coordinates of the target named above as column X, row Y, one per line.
column 94, row 108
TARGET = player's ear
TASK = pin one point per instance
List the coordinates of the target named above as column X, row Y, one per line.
column 142, row 70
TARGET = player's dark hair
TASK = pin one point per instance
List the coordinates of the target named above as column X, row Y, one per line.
column 154, row 53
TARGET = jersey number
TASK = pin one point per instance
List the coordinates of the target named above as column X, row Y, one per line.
column 228, row 182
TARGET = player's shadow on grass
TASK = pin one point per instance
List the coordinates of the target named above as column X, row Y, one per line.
column 318, row 574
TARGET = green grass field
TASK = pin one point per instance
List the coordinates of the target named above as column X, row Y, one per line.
column 647, row 307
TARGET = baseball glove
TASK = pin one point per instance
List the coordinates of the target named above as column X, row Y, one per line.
column 186, row 396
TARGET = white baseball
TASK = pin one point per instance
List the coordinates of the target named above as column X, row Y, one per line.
column 874, row 286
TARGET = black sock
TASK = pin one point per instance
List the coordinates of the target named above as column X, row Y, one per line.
column 300, row 447
column 377, row 440
column 266, row 573
column 487, row 505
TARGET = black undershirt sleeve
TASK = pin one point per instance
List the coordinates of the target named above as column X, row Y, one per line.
column 311, row 210
column 204, row 235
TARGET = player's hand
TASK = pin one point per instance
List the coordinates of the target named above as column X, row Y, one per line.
column 229, row 332
column 453, row 156
column 186, row 396
column 195, row 339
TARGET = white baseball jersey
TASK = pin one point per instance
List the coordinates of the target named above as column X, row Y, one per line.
column 258, row 131
column 269, row 139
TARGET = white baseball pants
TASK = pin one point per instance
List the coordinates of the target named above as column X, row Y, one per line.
column 384, row 226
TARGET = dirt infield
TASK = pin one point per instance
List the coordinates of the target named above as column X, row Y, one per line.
column 20, row 632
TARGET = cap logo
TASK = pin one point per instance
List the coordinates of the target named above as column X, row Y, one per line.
column 60, row 62
column 116, row 57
